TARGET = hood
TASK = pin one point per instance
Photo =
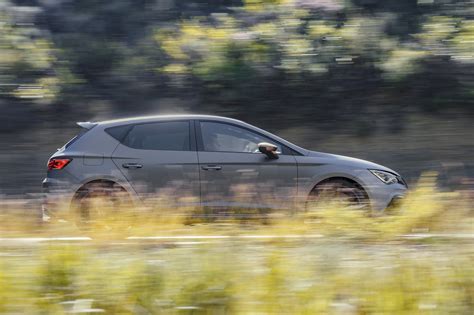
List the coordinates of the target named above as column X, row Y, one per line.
column 349, row 161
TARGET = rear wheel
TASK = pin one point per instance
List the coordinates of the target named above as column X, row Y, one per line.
column 338, row 192
column 103, row 205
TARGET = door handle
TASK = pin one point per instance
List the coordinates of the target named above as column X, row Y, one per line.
column 132, row 165
column 211, row 167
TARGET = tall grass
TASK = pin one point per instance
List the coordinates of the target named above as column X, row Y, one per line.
column 362, row 263
column 243, row 277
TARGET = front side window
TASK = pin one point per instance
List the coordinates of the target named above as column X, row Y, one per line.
column 221, row 137
column 169, row 136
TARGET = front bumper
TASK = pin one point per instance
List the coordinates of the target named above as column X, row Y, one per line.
column 381, row 195
column 395, row 202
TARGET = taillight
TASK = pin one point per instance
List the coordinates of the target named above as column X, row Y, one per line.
column 58, row 164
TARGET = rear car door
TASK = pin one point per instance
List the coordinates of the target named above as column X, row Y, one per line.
column 234, row 173
column 160, row 161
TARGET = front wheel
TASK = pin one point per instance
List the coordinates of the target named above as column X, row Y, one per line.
column 341, row 193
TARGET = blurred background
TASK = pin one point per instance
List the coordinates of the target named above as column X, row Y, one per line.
column 390, row 81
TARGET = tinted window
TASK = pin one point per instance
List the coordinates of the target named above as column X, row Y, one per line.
column 223, row 137
column 173, row 136
column 118, row 132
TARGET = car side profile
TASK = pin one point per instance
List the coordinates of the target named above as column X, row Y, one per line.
column 206, row 161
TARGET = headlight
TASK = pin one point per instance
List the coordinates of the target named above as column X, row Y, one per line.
column 386, row 177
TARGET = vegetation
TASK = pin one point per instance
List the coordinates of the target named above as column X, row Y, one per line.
column 296, row 277
column 278, row 52
column 389, row 80
column 414, row 259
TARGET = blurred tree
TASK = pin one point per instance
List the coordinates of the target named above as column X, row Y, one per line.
column 26, row 63
column 29, row 76
column 328, row 58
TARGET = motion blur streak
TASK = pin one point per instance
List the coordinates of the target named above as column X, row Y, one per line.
column 389, row 81
column 385, row 81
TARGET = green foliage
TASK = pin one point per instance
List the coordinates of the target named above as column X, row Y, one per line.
column 308, row 45
column 311, row 277
column 235, row 56
column 25, row 61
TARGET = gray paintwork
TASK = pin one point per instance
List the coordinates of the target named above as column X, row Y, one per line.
column 179, row 175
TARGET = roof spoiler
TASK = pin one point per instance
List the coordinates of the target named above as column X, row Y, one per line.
column 86, row 124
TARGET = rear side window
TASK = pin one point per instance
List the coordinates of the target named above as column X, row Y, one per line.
column 168, row 136
column 118, row 133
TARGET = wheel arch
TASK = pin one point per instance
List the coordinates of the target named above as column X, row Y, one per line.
column 341, row 177
column 346, row 177
column 114, row 181
column 349, row 179
column 101, row 180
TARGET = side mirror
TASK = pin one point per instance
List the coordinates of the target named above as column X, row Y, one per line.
column 270, row 150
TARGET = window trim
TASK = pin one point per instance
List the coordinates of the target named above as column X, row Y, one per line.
column 200, row 142
column 191, row 132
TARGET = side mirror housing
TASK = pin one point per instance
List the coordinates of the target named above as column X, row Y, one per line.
column 269, row 149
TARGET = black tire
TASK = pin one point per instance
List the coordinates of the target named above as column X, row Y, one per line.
column 102, row 205
column 346, row 193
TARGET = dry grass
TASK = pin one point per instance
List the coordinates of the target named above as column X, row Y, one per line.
column 324, row 261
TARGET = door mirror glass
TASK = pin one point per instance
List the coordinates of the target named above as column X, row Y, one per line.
column 270, row 150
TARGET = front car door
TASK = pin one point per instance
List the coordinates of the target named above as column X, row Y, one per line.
column 233, row 173
column 159, row 159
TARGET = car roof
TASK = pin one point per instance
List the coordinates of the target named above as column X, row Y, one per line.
column 140, row 119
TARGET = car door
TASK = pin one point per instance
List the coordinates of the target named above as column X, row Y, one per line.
column 233, row 173
column 159, row 159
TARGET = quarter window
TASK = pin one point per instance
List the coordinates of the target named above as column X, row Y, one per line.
column 169, row 136
column 220, row 137
column 119, row 132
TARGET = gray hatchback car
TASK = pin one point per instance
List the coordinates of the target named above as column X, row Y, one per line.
column 206, row 161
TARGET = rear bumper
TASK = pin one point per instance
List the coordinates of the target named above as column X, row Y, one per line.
column 57, row 197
